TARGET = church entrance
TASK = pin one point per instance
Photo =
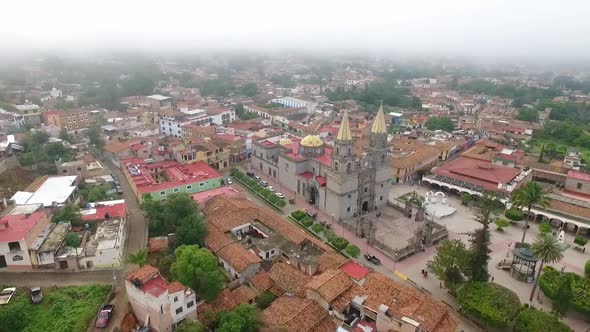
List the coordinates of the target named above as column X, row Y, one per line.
column 365, row 207
column 313, row 195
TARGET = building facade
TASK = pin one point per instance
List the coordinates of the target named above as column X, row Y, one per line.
column 335, row 179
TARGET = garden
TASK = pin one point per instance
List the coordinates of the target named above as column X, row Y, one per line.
column 570, row 289
column 319, row 230
column 489, row 303
column 62, row 310
column 267, row 195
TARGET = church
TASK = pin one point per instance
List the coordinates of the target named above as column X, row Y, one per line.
column 331, row 178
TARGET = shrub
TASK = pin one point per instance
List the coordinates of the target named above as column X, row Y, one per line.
column 490, row 303
column 466, row 198
column 587, row 269
column 522, row 245
column 339, row 243
column 550, row 283
column 330, row 236
column 533, row 320
column 514, row 214
column 306, row 221
column 298, row 215
column 318, row 228
column 544, row 227
column 281, row 203
column 352, row 251
column 265, row 299
column 235, row 172
column 580, row 240
column 501, row 223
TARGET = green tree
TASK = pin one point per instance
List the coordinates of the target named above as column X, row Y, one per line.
column 70, row 213
column 56, row 151
column 451, row 262
column 440, row 123
column 533, row 320
column 244, row 318
column 564, row 296
column 249, row 89
column 191, row 230
column 72, row 240
column 265, row 299
column 530, row 194
column 480, row 239
column 527, row 114
column 490, row 303
column 139, row 257
column 199, row 269
column 548, row 250
column 64, row 135
column 94, row 136
column 39, row 138
column 96, row 194
column 188, row 325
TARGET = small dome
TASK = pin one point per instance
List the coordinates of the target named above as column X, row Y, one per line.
column 312, row 141
column 285, row 141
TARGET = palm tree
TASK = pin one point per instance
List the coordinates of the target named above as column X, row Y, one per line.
column 547, row 249
column 139, row 257
column 531, row 194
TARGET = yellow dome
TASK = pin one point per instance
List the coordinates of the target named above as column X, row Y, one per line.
column 285, row 141
column 312, row 141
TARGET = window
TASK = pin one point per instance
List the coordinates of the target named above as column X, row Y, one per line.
column 17, row 258
column 79, row 169
column 162, row 193
column 201, row 184
column 65, row 171
column 176, row 299
column 190, row 304
column 382, row 185
column 179, row 310
column 175, row 190
column 380, row 198
column 579, row 185
column 366, row 189
column 14, row 246
column 348, row 209
column 349, row 196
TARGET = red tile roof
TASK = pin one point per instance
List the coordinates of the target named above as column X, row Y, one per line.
column 478, row 172
column 176, row 287
column 306, row 175
column 578, row 175
column 16, row 226
column 238, row 257
column 203, row 196
column 114, row 211
column 155, row 286
column 143, row 273
column 354, row 270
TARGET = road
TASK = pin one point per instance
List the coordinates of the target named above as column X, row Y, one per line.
column 59, row 279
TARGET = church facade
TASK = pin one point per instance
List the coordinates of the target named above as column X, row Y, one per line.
column 331, row 178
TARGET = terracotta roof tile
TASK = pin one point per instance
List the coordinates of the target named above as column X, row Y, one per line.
column 288, row 278
column 292, row 313
column 237, row 256
column 330, row 260
column 261, row 281
column 175, row 287
column 215, row 239
column 243, row 294
column 330, row 284
column 143, row 273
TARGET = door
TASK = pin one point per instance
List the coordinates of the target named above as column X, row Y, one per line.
column 2, row 261
column 63, row 265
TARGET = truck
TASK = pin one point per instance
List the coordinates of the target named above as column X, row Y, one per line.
column 104, row 315
column 6, row 295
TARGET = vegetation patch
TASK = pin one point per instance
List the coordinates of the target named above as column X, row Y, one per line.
column 533, row 320
column 490, row 303
column 514, row 214
column 63, row 309
column 551, row 284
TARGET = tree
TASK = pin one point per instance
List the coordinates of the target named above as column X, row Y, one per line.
column 39, row 137
column 440, row 123
column 451, row 262
column 265, row 299
column 164, row 217
column 96, row 194
column 244, row 318
column 501, row 223
column 564, row 296
column 199, row 269
column 188, row 325
column 249, row 89
column 72, row 240
column 70, row 213
column 480, row 238
column 548, row 250
column 533, row 320
column 191, row 230
column 527, row 114
column 94, row 136
column 139, row 257
column 466, row 198
column 530, row 194
column 352, row 250
column 64, row 135
column 544, row 227
column 492, row 304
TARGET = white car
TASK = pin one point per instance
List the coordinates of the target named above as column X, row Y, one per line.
column 279, row 195
column 271, row 188
column 6, row 295
column 229, row 181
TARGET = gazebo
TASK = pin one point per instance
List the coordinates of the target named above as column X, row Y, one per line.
column 524, row 264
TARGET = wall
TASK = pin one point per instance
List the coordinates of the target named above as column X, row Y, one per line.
column 182, row 302
column 23, row 264
column 8, row 164
column 571, row 184
column 144, row 304
column 194, row 188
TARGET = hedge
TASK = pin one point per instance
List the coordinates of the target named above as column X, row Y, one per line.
column 306, row 221
column 340, row 243
column 318, row 228
column 514, row 214
column 261, row 191
column 533, row 320
column 550, row 281
column 298, row 215
column 587, row 269
column 352, row 251
column 544, row 227
column 501, row 223
column 330, row 236
column 489, row 303
column 580, row 240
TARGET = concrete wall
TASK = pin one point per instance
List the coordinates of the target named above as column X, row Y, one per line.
column 187, row 188
column 577, row 185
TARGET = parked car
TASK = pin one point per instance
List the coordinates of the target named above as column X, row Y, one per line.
column 264, row 183
column 257, row 178
column 373, row 259
column 6, row 295
column 279, row 195
column 104, row 315
column 311, row 213
column 36, row 295
column 250, row 174
column 229, row 181
column 271, row 188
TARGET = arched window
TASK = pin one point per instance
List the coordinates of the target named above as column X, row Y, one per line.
column 336, row 165
column 383, row 158
column 17, row 258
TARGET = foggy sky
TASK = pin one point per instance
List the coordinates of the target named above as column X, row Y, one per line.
column 489, row 28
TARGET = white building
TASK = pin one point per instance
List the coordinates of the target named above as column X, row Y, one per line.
column 105, row 248
column 172, row 124
column 295, row 102
column 157, row 303
column 55, row 191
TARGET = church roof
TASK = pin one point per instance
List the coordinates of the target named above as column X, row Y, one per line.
column 379, row 125
column 311, row 141
column 344, row 132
